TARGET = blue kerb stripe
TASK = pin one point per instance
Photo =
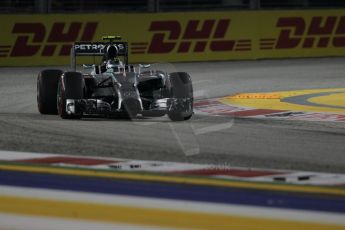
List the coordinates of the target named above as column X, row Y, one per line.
column 264, row 198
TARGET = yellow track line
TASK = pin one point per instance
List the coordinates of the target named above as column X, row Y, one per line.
column 146, row 216
column 173, row 179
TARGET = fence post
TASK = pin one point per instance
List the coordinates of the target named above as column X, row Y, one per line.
column 153, row 5
column 42, row 6
column 254, row 4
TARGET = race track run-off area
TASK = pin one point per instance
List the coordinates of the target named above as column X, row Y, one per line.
column 265, row 148
column 307, row 105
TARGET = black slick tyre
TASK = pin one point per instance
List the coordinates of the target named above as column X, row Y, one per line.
column 47, row 82
column 181, row 92
column 70, row 86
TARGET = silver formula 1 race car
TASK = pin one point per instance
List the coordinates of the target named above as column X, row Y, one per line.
column 113, row 88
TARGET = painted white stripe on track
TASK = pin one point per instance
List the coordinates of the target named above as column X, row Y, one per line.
column 213, row 128
column 14, row 155
column 23, row 222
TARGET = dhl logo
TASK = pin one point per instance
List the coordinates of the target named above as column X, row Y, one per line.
column 321, row 32
column 175, row 37
column 196, row 36
column 33, row 38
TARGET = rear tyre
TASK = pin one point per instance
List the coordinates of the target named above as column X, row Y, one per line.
column 47, row 82
column 70, row 86
column 181, row 102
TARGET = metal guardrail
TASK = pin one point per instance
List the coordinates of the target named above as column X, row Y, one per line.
column 79, row 6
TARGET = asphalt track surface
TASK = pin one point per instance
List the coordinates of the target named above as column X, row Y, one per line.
column 298, row 145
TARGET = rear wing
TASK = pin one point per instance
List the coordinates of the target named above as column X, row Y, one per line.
column 97, row 49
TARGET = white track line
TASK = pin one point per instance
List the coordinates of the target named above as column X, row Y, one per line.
column 21, row 222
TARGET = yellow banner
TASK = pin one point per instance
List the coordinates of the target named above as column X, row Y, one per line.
column 173, row 37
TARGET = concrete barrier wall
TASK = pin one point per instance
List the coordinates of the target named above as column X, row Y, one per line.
column 173, row 37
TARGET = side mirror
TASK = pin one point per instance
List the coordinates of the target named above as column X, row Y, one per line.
column 87, row 66
column 144, row 66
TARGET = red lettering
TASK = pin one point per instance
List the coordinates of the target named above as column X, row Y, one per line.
column 316, row 28
column 49, row 50
column 200, row 46
column 22, row 46
column 222, row 28
column 192, row 32
column 197, row 33
column 321, row 29
column 89, row 31
column 308, row 42
column 27, row 45
column 285, row 40
column 57, row 34
column 339, row 41
column 158, row 43
column 222, row 45
column 184, row 47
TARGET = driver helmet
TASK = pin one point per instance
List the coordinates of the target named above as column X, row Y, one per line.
column 112, row 52
column 112, row 63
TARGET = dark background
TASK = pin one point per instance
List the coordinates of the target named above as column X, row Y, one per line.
column 71, row 6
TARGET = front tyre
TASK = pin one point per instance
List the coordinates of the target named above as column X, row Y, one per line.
column 47, row 81
column 181, row 97
column 70, row 86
